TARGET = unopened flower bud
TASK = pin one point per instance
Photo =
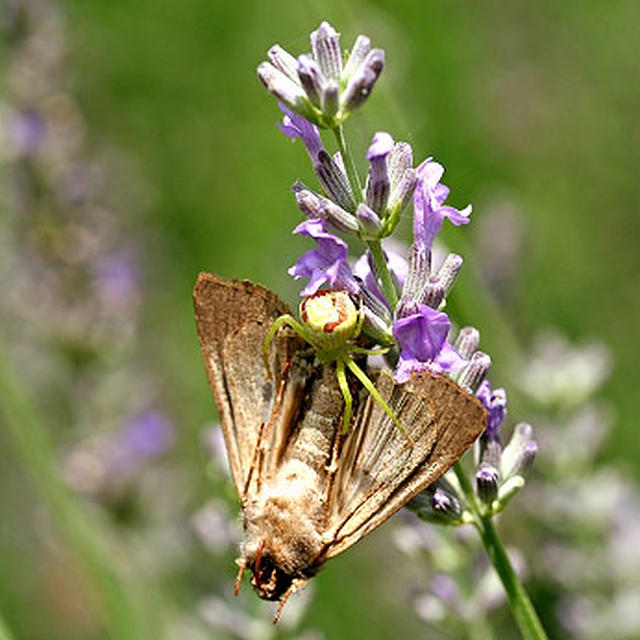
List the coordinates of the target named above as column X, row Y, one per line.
column 281, row 86
column 475, row 372
column 399, row 161
column 400, row 197
column 369, row 222
column 467, row 342
column 325, row 44
column 358, row 53
column 418, row 273
column 315, row 206
column 334, row 181
column 363, row 80
column 437, row 505
column 330, row 99
column 509, row 489
column 490, row 451
column 433, row 294
column 283, row 61
column 519, row 455
column 378, row 186
column 487, row 481
column 311, row 78
column 449, row 271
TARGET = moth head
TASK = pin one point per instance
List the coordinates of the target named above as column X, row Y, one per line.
column 331, row 317
column 269, row 581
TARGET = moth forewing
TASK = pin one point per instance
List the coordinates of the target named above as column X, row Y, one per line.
column 378, row 472
column 307, row 491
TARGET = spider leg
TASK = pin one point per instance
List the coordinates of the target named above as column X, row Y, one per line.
column 346, row 393
column 369, row 352
column 278, row 323
column 368, row 385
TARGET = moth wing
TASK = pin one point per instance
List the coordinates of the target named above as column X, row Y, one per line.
column 379, row 471
column 232, row 319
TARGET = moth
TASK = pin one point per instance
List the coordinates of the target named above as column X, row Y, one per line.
column 308, row 491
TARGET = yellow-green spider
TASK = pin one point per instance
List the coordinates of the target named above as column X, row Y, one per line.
column 330, row 323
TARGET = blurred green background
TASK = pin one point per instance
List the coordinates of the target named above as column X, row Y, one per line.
column 531, row 107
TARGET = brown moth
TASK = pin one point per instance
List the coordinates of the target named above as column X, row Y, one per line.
column 307, row 490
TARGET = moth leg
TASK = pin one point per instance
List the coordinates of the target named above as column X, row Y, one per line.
column 368, row 385
column 346, row 393
column 278, row 323
column 242, row 565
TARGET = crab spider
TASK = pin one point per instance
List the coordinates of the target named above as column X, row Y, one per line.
column 330, row 324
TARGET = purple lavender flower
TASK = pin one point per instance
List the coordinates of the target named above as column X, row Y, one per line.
column 421, row 334
column 116, row 280
column 428, row 202
column 26, row 131
column 496, row 404
column 295, row 126
column 147, row 436
column 378, row 185
column 327, row 263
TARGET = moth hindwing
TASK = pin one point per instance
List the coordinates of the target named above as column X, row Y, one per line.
column 307, row 491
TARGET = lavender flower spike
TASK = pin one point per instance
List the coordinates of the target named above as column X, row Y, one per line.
column 317, row 86
column 428, row 202
column 378, row 185
column 326, row 264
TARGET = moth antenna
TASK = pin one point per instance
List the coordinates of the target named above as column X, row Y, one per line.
column 241, row 567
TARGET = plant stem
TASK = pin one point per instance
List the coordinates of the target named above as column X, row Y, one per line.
column 521, row 607
column 32, row 443
column 386, row 281
column 349, row 164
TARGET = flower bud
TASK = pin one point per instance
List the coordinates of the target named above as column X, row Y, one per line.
column 467, row 342
column 437, row 505
column 334, row 181
column 433, row 294
column 475, row 372
column 358, row 53
column 369, row 221
column 449, row 271
column 519, row 455
column 311, row 78
column 378, row 186
column 283, row 61
column 487, row 481
column 330, row 99
column 282, row 87
column 325, row 44
column 362, row 81
column 508, row 490
column 315, row 206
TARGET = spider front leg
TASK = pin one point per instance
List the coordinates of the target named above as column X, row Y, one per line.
column 346, row 393
column 278, row 323
column 369, row 386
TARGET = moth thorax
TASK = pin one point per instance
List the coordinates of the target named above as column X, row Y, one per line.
column 331, row 316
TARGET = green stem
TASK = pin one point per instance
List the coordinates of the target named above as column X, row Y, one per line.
column 388, row 287
column 349, row 164
column 32, row 443
column 521, row 607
